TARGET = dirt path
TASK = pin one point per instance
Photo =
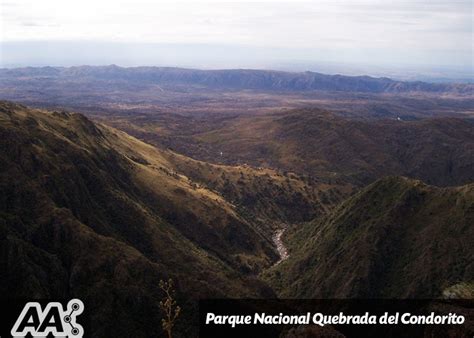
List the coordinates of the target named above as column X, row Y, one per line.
column 280, row 246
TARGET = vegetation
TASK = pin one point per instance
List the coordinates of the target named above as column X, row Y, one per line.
column 397, row 238
column 335, row 149
column 169, row 307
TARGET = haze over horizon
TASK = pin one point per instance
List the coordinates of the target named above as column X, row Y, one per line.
column 419, row 39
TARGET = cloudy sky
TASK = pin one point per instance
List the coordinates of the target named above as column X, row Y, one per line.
column 377, row 32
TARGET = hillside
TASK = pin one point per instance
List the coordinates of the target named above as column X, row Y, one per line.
column 439, row 151
column 88, row 211
column 396, row 238
column 268, row 197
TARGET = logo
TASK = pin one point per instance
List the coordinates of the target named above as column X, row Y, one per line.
column 53, row 320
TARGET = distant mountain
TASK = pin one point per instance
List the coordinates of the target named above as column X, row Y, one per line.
column 396, row 238
column 88, row 211
column 236, row 79
column 439, row 151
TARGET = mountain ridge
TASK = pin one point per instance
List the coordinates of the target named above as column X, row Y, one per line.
column 242, row 79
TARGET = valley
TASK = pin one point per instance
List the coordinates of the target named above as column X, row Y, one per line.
column 277, row 169
column 236, row 183
column 357, row 129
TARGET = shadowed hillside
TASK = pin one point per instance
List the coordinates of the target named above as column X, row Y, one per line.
column 88, row 211
column 396, row 238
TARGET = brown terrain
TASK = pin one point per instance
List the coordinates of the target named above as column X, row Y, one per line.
column 114, row 178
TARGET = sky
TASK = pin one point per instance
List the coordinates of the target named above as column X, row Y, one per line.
column 423, row 34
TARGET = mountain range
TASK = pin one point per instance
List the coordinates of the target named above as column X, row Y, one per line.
column 239, row 79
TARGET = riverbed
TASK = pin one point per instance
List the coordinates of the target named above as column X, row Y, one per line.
column 281, row 248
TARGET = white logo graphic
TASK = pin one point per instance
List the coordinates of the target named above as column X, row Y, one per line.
column 52, row 320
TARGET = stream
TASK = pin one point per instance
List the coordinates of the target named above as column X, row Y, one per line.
column 281, row 248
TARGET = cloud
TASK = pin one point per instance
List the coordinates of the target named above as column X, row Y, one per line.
column 397, row 29
column 38, row 24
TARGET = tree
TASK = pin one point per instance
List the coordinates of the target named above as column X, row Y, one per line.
column 169, row 307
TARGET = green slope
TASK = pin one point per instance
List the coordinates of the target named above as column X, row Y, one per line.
column 395, row 238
